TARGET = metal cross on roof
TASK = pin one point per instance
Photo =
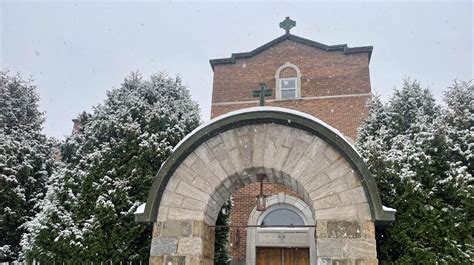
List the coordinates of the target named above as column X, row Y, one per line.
column 287, row 24
column 262, row 92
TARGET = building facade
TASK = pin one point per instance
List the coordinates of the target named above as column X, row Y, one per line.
column 317, row 201
column 331, row 83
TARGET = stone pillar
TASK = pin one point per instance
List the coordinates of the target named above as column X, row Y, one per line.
column 346, row 242
column 183, row 242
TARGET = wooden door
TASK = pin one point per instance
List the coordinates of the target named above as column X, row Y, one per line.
column 282, row 256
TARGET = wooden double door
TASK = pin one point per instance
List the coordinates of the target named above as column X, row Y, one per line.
column 282, row 256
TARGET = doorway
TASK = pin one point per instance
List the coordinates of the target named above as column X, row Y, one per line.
column 282, row 256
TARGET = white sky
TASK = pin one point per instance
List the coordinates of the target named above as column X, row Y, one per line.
column 76, row 51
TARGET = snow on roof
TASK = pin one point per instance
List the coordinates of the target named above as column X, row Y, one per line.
column 140, row 209
column 388, row 209
column 275, row 109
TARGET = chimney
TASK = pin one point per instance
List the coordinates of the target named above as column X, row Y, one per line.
column 76, row 128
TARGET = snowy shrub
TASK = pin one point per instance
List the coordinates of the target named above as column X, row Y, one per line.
column 25, row 160
column 107, row 171
column 421, row 157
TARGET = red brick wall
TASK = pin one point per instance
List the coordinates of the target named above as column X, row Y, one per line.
column 345, row 114
column 322, row 74
column 244, row 202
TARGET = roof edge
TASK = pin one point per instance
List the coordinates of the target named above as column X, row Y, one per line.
column 330, row 48
column 381, row 215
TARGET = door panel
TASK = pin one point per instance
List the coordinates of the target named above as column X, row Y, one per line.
column 269, row 256
column 295, row 256
column 282, row 256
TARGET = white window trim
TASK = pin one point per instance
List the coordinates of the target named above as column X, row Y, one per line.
column 288, row 89
column 278, row 81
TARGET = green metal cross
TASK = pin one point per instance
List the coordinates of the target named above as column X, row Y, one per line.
column 287, row 24
column 262, row 92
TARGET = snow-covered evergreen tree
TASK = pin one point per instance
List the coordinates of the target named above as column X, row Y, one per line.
column 221, row 245
column 405, row 144
column 108, row 170
column 26, row 160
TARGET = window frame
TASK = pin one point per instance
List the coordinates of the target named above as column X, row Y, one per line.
column 290, row 209
column 278, row 81
column 295, row 88
column 278, row 207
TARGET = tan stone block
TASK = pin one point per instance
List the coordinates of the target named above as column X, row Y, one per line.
column 348, row 212
column 296, row 152
column 198, row 228
column 184, row 173
column 368, row 230
column 190, row 246
column 207, row 261
column 161, row 246
column 192, row 204
column 372, row 261
column 333, row 187
column 162, row 213
column 175, row 228
column 204, row 153
column 175, row 260
column 245, row 148
column 157, row 226
column 171, row 199
column 258, row 144
column 316, row 149
column 343, row 229
column 330, row 201
column 228, row 139
column 157, row 260
column 300, row 167
column 189, row 161
column 316, row 181
column 353, row 196
column 352, row 179
column 338, row 169
column 332, row 154
column 321, row 229
column 184, row 214
column 359, row 248
column 363, row 212
column 191, row 192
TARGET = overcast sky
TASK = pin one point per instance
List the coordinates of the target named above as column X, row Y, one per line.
column 76, row 51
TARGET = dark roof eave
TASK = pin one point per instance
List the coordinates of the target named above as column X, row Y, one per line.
column 340, row 47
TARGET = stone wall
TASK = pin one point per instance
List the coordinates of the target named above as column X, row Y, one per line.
column 289, row 156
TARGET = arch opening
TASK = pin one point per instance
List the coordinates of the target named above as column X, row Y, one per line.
column 293, row 149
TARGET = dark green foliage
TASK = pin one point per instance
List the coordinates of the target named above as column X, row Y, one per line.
column 25, row 160
column 411, row 148
column 221, row 248
column 107, row 171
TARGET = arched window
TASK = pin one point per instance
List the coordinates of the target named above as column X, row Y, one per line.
column 282, row 217
column 288, row 81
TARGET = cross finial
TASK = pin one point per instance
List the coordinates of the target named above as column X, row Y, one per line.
column 262, row 92
column 287, row 24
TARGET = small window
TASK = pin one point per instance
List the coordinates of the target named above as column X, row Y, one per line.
column 282, row 217
column 288, row 88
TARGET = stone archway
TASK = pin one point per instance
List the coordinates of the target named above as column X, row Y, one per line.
column 293, row 149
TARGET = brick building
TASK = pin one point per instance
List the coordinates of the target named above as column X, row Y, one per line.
column 330, row 82
column 317, row 201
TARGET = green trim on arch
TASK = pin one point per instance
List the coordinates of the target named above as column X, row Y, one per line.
column 379, row 215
